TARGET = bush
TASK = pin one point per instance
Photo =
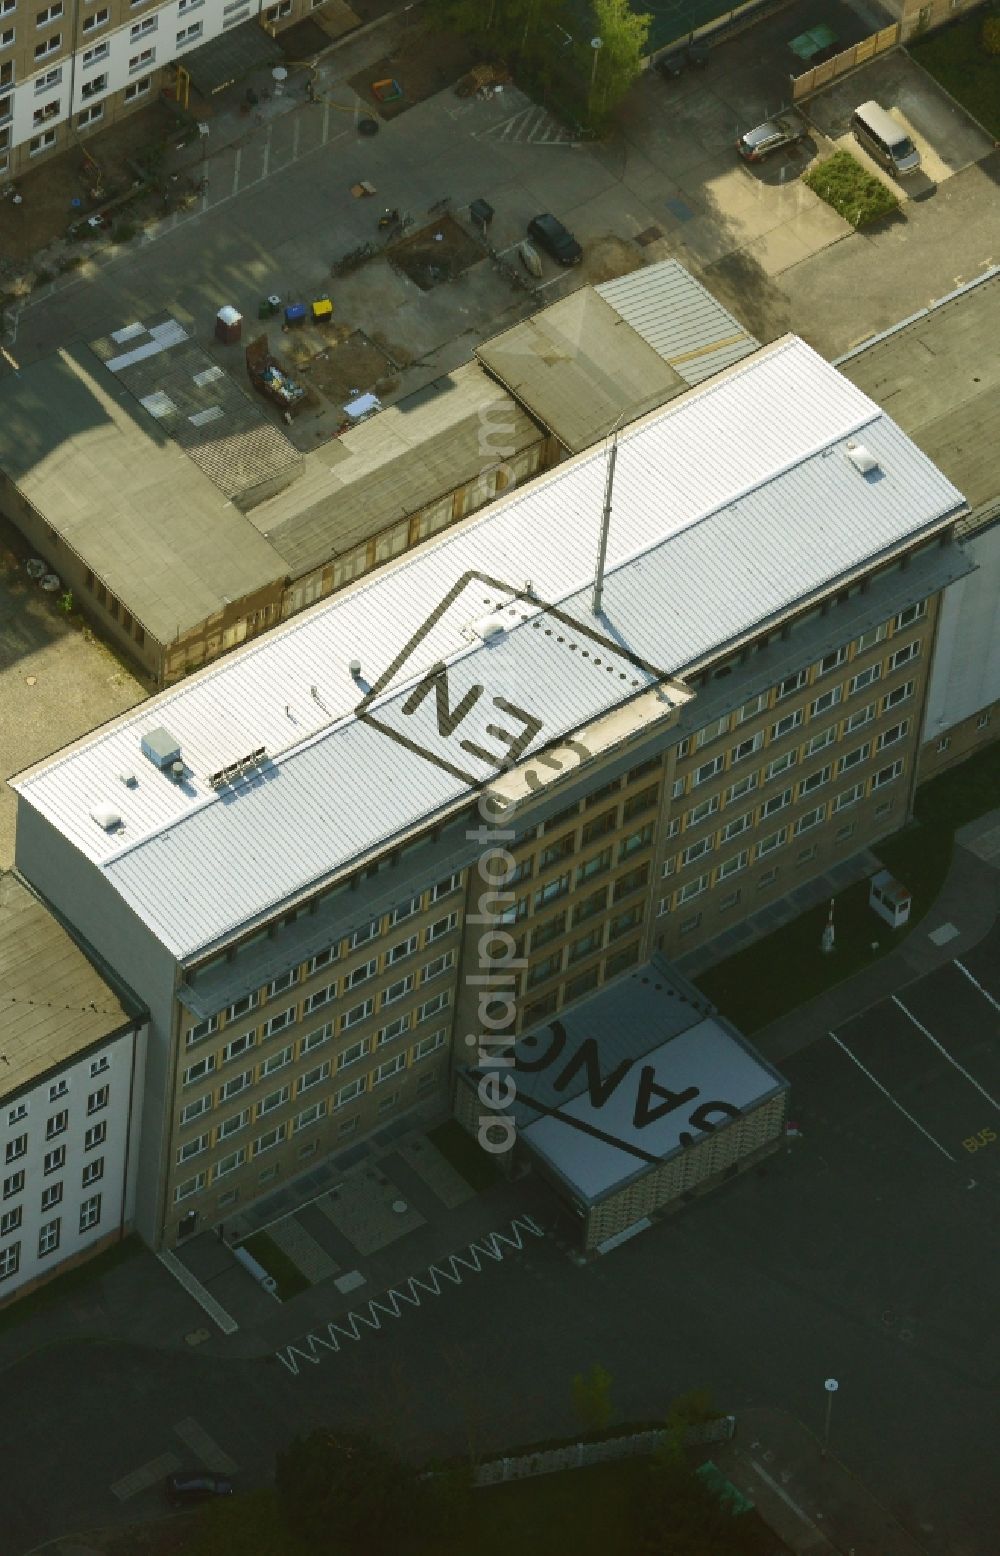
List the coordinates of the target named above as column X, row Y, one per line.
column 989, row 35
column 856, row 195
column 124, row 232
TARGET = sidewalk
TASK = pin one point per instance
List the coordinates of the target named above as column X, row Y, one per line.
column 813, row 1502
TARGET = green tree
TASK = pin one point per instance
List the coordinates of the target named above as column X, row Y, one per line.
column 344, row 1494
column 508, row 24
column 592, row 1398
column 251, row 1524
column 623, row 33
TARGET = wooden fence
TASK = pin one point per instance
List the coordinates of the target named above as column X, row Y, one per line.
column 820, row 75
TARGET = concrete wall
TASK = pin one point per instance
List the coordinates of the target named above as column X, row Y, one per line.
column 965, row 676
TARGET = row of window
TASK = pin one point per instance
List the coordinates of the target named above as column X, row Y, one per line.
column 93, row 1172
column 60, row 1088
column 575, row 988
column 49, row 1237
column 305, row 1119
column 56, row 1124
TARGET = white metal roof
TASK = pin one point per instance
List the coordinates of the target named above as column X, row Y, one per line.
column 729, row 505
column 679, row 318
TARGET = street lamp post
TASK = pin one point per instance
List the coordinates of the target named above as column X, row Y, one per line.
column 831, row 1385
column 597, row 45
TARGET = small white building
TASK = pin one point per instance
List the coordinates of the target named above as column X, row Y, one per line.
column 72, row 1054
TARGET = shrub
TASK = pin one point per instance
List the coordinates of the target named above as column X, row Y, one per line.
column 852, row 192
column 66, row 603
column 124, row 232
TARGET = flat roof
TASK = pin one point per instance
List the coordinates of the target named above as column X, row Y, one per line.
column 723, row 520
column 399, row 461
column 124, row 496
column 679, row 318
column 595, row 1115
column 580, row 369
column 938, row 375
column 54, row 1003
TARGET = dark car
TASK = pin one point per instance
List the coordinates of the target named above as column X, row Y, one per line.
column 759, row 142
column 550, row 234
column 188, row 1486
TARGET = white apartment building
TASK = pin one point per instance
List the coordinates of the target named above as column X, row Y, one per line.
column 68, row 67
column 71, row 1079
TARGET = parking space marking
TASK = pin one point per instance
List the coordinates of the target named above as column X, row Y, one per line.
column 943, row 1050
column 145, row 1476
column 976, row 984
column 204, row 1447
column 887, row 1093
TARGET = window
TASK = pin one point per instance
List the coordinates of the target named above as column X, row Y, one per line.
column 678, row 788
column 57, row 1124
column 643, row 770
column 981, row 723
column 400, row 949
column 663, row 906
column 192, row 1148
column 698, row 850
column 443, row 888
column 865, row 678
column 439, row 965
column 16, row 1114
column 233, row 1124
column 556, row 851
column 869, row 639
column 51, row 13
column 54, row 1161
column 632, row 880
column 192, row 1186
column 781, row 764
column 595, row 903
column 90, row 1212
column 397, row 990
column 710, row 732
column 910, row 615
column 203, row 1029
column 595, row 866
column 900, row 694
column 314, row 1077
column 586, row 945
column 855, row 757
column 621, row 959
column 550, row 930
column 428, row 1045
column 736, row 826
column 434, row 1004
column 11, row 1219
column 552, row 891
column 623, row 922
column 599, row 826
column 635, row 842
column 323, row 959
column 442, row 926
column 360, row 974
column 93, row 1171
column 94, row 87
column 96, row 19
column 394, row 1029
column 278, row 985
column 827, row 701
column 819, row 742
column 849, row 797
column 889, row 737
column 693, row 889
column 391, row 1067
column 274, row 1099
column 349, row 1093
column 190, row 34
column 15, row 1148
column 944, row 744
column 39, row 143
column 745, row 786
column 47, row 80
column 602, row 793
column 276, row 1061
column 733, row 864
column 239, row 1045
column 184, row 6
column 887, row 774
column 361, row 937
column 790, row 685
column 48, row 1237
column 233, row 1087
column 702, row 812
column 10, row 1259
column 831, row 661
column 707, row 770
column 404, row 911
column 747, row 747
column 13, row 1185
column 98, row 1099
column 242, row 1006
column 100, row 1066
column 274, row 13
column 815, row 781
column 320, row 998
column 229, row 1164
column 785, row 726
column 811, row 818
column 767, row 845
column 775, row 803
column 277, row 1023
column 354, row 1053
column 314, row 1039
column 750, row 709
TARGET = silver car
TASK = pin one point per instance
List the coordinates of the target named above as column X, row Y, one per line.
column 759, row 142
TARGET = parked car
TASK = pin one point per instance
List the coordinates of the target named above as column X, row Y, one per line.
column 186, row 1487
column 759, row 142
column 550, row 234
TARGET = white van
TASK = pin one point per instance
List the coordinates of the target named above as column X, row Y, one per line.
column 884, row 139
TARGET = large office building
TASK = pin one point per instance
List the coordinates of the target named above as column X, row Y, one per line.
column 290, row 851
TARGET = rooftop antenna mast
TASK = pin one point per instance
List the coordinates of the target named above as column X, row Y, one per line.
column 602, row 549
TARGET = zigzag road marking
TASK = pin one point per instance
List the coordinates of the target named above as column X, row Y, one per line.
column 534, row 125
column 492, row 1247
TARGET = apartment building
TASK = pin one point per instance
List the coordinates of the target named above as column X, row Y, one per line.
column 287, row 850
column 70, row 67
column 72, row 1050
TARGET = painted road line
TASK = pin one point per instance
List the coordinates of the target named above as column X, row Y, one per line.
column 193, row 1286
column 145, row 1476
column 976, row 984
column 886, row 1093
column 412, row 1291
column 943, row 1050
column 204, row 1447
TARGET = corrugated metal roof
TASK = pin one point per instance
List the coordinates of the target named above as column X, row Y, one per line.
column 729, row 506
column 580, row 369
column 406, row 457
column 103, row 474
column 680, row 319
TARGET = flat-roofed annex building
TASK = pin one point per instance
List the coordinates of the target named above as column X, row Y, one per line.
column 72, row 1052
column 282, row 849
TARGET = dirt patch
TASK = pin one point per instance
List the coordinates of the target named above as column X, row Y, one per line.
column 345, row 364
column 48, row 191
column 609, row 258
column 438, row 252
column 423, row 62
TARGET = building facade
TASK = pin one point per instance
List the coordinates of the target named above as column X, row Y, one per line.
column 290, row 851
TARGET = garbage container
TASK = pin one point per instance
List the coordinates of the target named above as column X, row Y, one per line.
column 295, row 313
column 482, row 212
column 228, row 325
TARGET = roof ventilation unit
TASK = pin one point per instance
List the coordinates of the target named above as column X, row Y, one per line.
column 861, row 458
column 489, row 628
column 161, row 748
column 177, row 771
column 355, row 668
column 107, row 817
